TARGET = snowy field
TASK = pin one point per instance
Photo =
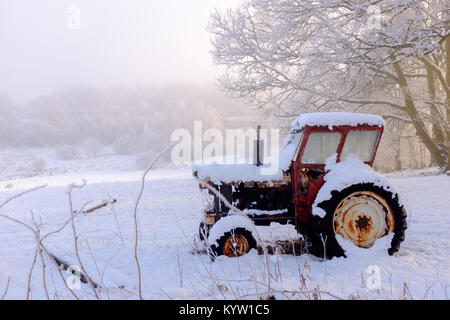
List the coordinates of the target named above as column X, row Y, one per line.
column 169, row 215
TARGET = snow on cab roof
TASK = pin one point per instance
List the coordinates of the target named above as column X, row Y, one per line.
column 331, row 119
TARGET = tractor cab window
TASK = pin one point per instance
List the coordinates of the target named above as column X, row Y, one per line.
column 361, row 144
column 320, row 146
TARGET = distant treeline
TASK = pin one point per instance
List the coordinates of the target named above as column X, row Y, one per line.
column 131, row 120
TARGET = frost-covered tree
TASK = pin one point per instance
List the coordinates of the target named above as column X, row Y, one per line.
column 292, row 56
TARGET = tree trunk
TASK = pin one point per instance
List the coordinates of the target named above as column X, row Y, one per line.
column 438, row 134
column 411, row 109
column 447, row 102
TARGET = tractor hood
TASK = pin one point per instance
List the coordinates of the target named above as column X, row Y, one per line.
column 227, row 173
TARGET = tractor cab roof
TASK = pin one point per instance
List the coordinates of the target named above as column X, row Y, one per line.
column 336, row 119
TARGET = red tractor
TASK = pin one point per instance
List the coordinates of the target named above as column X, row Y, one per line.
column 324, row 185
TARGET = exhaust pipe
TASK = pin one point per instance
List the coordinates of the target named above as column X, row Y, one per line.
column 258, row 147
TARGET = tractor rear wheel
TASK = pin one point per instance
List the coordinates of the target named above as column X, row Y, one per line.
column 361, row 213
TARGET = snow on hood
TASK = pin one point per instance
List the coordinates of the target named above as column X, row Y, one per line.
column 345, row 173
column 331, row 119
column 227, row 173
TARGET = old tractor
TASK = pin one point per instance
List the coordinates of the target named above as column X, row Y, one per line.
column 325, row 186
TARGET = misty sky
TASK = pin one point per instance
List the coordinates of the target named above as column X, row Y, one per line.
column 119, row 43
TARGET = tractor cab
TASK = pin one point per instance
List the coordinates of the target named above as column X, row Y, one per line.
column 325, row 136
column 322, row 136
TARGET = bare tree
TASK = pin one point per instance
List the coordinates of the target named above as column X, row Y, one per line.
column 292, row 56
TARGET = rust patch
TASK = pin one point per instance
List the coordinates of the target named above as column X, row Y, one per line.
column 363, row 217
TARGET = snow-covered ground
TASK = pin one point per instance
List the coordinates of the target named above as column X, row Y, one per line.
column 169, row 214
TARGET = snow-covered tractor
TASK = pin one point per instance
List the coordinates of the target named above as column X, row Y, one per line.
column 325, row 186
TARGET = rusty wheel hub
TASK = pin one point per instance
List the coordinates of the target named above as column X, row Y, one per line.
column 236, row 245
column 362, row 218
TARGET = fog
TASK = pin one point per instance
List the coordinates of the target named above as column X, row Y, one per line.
column 81, row 76
column 49, row 44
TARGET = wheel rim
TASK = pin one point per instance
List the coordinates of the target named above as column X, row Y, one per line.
column 362, row 218
column 236, row 245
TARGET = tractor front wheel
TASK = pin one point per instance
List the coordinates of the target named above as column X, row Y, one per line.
column 234, row 243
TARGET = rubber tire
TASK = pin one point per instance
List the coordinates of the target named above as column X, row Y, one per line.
column 324, row 226
column 203, row 230
column 216, row 251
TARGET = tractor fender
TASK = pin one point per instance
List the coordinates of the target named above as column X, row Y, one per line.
column 343, row 174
